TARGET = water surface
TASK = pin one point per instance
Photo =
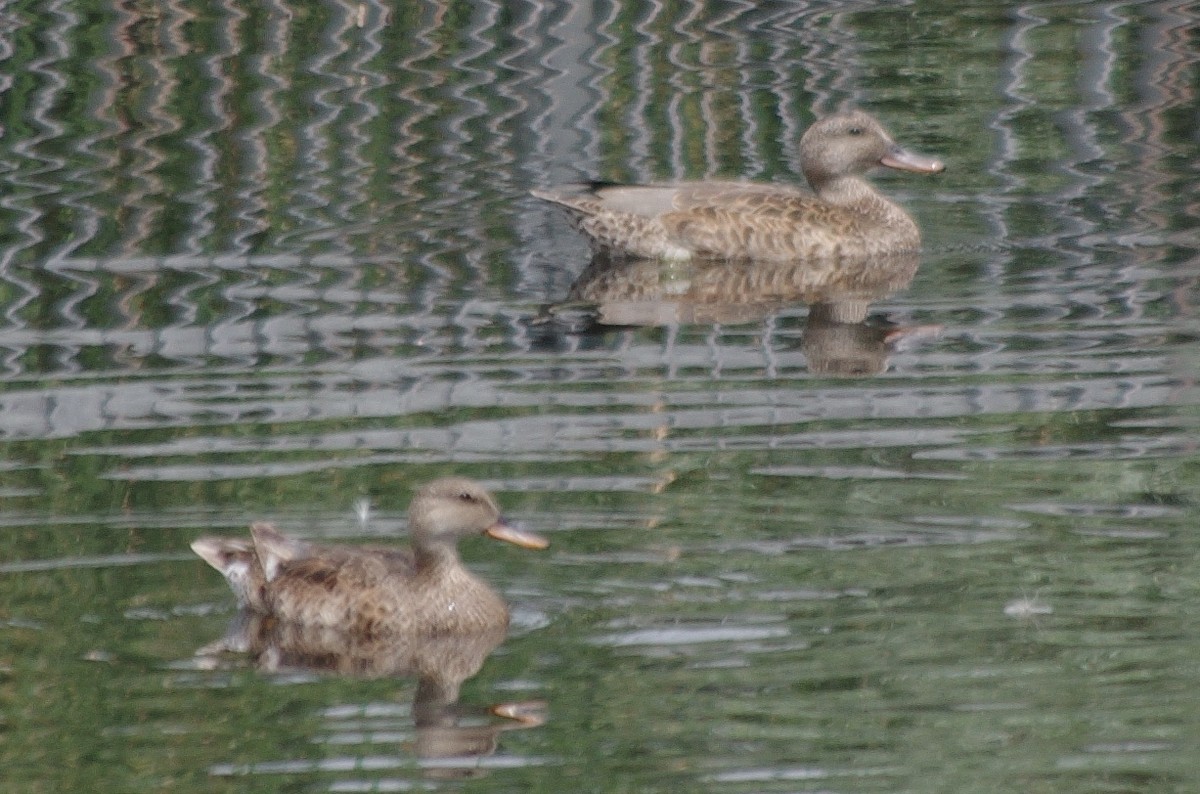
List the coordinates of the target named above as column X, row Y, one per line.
column 935, row 534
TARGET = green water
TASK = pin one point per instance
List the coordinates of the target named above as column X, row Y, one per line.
column 274, row 262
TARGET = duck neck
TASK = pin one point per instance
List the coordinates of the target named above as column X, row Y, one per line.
column 852, row 192
column 433, row 557
column 856, row 194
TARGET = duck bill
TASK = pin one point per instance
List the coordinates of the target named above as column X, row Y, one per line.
column 908, row 161
column 510, row 534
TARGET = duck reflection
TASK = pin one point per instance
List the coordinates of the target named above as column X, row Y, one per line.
column 833, row 345
column 444, row 729
column 374, row 612
column 839, row 338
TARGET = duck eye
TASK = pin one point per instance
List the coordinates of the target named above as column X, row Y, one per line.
column 855, row 131
column 466, row 497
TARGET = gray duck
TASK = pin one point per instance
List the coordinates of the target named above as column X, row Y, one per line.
column 843, row 217
column 370, row 590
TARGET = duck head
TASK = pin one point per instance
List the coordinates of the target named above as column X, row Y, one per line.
column 454, row 507
column 852, row 143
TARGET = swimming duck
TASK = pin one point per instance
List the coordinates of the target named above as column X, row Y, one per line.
column 846, row 217
column 371, row 590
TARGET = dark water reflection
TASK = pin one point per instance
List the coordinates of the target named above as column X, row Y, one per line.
column 265, row 262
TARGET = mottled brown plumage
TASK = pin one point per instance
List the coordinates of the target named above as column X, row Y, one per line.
column 846, row 217
column 371, row 591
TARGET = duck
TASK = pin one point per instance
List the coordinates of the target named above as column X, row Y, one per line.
column 371, row 591
column 843, row 217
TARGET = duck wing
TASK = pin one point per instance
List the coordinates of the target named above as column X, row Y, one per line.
column 275, row 549
column 775, row 224
column 351, row 592
column 658, row 199
column 721, row 219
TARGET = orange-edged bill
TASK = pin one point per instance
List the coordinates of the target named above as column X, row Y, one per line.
column 502, row 530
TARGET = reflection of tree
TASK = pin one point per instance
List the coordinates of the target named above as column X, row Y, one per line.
column 248, row 126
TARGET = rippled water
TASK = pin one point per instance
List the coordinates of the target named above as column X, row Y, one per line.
column 924, row 527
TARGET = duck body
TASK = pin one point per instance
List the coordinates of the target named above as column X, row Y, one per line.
column 844, row 216
column 372, row 591
column 369, row 593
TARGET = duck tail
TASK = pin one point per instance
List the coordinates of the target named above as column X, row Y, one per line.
column 275, row 548
column 571, row 192
column 236, row 560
